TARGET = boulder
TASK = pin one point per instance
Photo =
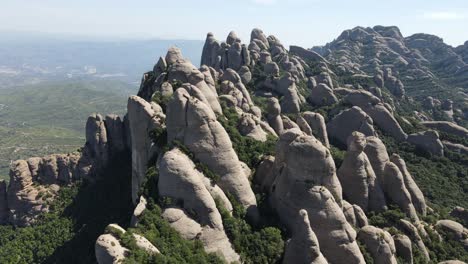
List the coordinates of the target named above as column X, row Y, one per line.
column 265, row 174
column 403, row 248
column 447, row 127
column 428, row 141
column 274, row 115
column 348, row 121
column 108, row 250
column 317, row 123
column 322, row 95
column 138, row 211
column 307, row 180
column 379, row 243
column 417, row 197
column 180, row 181
column 356, row 173
column 461, row 213
column 354, row 215
column 194, row 124
column 412, row 232
column 303, row 246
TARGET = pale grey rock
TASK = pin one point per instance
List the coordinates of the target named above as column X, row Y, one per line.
column 234, row 56
column 317, row 123
column 404, row 249
column 96, row 140
column 290, row 103
column 389, row 176
column 195, row 125
column 356, row 173
column 303, row 246
column 142, row 119
column 386, row 121
column 274, row 115
column 145, row 244
column 456, row 230
column 289, row 124
column 174, row 55
column 249, row 126
column 138, row 211
column 452, row 262
column 459, row 148
column 210, row 51
column 271, row 68
column 265, row 57
column 307, row 180
column 354, row 215
column 160, row 66
column 265, row 174
column 322, row 95
column 180, row 180
column 417, row 197
column 379, row 243
column 108, row 250
column 325, row 78
column 257, row 34
column 232, row 38
column 412, row 232
column 461, row 213
column 186, row 226
column 303, row 125
column 428, row 141
column 245, row 74
column 447, row 127
column 348, row 121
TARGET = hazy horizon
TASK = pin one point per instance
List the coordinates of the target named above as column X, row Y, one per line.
column 297, row 22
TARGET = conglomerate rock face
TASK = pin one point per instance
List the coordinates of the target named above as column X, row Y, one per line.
column 310, row 102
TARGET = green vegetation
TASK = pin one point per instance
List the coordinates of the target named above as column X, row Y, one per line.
column 264, row 245
column 248, row 150
column 443, row 181
column 50, row 117
column 36, row 244
column 78, row 216
column 173, row 247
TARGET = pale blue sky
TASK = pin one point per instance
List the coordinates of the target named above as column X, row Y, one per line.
column 301, row 22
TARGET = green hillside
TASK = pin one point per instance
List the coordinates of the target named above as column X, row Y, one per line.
column 48, row 118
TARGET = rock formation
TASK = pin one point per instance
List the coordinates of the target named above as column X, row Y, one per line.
column 379, row 243
column 303, row 246
column 181, row 182
column 356, row 173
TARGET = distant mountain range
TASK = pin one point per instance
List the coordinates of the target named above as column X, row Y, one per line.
column 31, row 57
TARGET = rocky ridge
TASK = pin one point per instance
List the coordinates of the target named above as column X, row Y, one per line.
column 177, row 126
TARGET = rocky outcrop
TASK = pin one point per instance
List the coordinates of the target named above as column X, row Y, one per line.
column 143, row 118
column 181, row 182
column 356, row 173
column 379, row 243
column 109, row 250
column 274, row 115
column 354, row 215
column 417, row 197
column 348, row 121
column 307, row 180
column 317, row 123
column 460, row 213
column 389, row 176
column 455, row 231
column 322, row 95
column 447, row 127
column 412, row 232
column 303, row 246
column 428, row 141
column 458, row 148
column 404, row 249
column 194, row 124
